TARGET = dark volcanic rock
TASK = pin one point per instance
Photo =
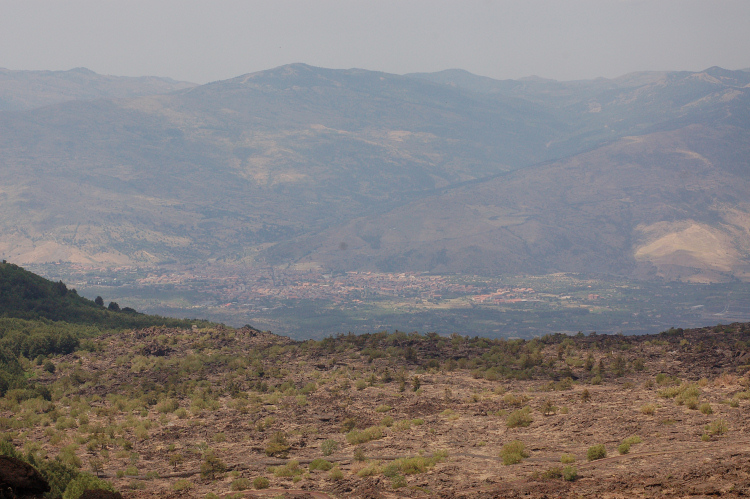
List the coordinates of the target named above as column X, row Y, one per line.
column 100, row 494
column 22, row 478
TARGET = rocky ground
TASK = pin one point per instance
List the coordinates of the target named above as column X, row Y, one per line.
column 205, row 413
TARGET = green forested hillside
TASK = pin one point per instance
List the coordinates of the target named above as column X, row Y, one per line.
column 25, row 295
column 39, row 318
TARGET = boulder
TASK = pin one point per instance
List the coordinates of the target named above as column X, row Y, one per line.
column 22, row 478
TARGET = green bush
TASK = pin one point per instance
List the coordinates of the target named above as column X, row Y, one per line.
column 289, row 470
column 329, row 446
column 371, row 469
column 84, row 482
column 596, row 452
column 261, row 482
column 632, row 440
column 513, row 452
column 623, row 448
column 336, row 474
column 567, row 459
column 356, row 437
column 718, row 427
column 398, row 481
column 277, row 446
column 211, row 466
column 570, row 473
column 414, row 465
column 182, row 484
column 648, row 409
column 706, row 409
column 240, row 484
column 320, row 464
column 521, row 417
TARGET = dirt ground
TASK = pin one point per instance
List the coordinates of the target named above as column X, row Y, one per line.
column 693, row 444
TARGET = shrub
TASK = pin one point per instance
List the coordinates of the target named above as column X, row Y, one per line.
column 336, row 474
column 68, row 456
column 513, row 452
column 548, row 408
column 596, row 452
column 718, row 427
column 240, row 484
column 261, row 482
column 570, row 473
column 329, row 446
column 181, row 485
column 289, row 470
column 632, row 440
column 398, row 481
column 414, row 465
column 359, row 454
column 521, row 417
column 567, row 459
column 277, row 446
column 211, row 466
column 320, row 464
column 706, row 409
column 648, row 409
column 84, row 482
column 175, row 459
column 356, row 437
column 169, row 405
column 623, row 448
column 383, row 408
column 370, row 470
column 552, row 473
column 514, row 400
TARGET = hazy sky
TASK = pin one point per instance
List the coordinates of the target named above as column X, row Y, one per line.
column 203, row 41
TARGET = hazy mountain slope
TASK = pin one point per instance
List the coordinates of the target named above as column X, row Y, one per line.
column 670, row 203
column 217, row 170
column 607, row 109
column 294, row 161
column 23, row 90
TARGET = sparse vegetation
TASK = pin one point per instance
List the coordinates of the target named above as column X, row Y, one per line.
column 212, row 375
column 329, row 446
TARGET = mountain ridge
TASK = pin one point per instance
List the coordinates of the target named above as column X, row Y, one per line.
column 22, row 90
column 244, row 169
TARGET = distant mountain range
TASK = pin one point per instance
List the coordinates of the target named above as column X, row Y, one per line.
column 644, row 175
column 24, row 90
